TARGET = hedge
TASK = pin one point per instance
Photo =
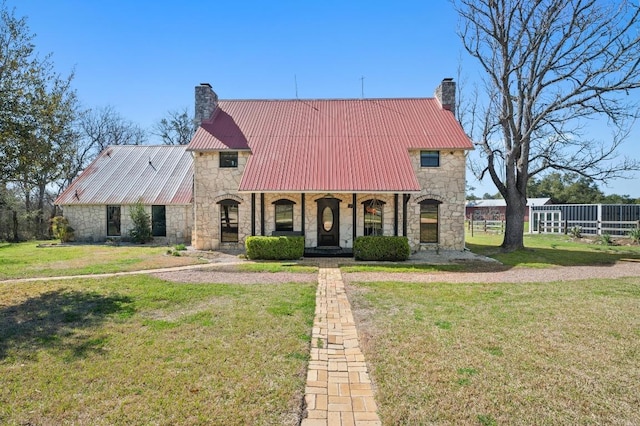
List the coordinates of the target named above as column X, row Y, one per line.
column 381, row 248
column 274, row 248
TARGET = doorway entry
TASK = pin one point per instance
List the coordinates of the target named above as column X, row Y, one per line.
column 328, row 222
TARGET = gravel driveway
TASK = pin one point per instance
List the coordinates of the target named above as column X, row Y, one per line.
column 486, row 274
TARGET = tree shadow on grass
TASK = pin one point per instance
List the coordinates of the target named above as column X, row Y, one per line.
column 56, row 320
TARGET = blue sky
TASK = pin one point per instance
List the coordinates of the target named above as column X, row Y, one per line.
column 145, row 57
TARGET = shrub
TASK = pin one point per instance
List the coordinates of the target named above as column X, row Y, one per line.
column 575, row 232
column 381, row 248
column 605, row 240
column 141, row 232
column 180, row 247
column 634, row 234
column 61, row 229
column 274, row 248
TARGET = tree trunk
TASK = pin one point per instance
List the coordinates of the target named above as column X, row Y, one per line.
column 16, row 236
column 514, row 227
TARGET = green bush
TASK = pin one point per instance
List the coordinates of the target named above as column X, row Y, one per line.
column 274, row 248
column 634, row 234
column 141, row 232
column 61, row 229
column 381, row 248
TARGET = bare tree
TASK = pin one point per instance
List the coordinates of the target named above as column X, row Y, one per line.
column 175, row 129
column 550, row 66
column 104, row 126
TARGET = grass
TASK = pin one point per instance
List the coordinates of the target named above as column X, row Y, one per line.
column 138, row 350
column 553, row 353
column 27, row 260
column 545, row 250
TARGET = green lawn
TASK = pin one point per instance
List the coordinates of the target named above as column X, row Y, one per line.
column 544, row 250
column 552, row 353
column 26, row 260
column 138, row 350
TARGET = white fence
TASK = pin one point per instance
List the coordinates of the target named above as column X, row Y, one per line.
column 592, row 219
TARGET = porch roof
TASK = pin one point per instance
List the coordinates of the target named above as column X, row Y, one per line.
column 330, row 145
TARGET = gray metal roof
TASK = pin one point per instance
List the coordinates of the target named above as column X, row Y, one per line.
column 502, row 203
column 126, row 174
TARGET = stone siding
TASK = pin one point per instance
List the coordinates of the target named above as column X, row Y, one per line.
column 90, row 223
column 447, row 185
column 213, row 184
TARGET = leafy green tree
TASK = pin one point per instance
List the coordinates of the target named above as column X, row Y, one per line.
column 549, row 66
column 141, row 232
column 37, row 112
column 565, row 188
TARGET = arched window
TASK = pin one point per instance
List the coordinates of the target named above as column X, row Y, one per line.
column 373, row 216
column 284, row 214
column 429, row 217
column 228, row 221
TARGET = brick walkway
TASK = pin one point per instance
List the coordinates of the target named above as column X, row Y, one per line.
column 338, row 388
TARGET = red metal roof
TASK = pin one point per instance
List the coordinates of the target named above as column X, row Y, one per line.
column 125, row 174
column 330, row 145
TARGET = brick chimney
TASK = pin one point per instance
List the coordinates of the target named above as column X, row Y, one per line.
column 206, row 103
column 446, row 94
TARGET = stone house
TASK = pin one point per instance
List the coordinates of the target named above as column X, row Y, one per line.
column 327, row 169
column 98, row 203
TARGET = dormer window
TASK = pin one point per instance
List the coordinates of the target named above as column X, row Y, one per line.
column 228, row 159
column 429, row 158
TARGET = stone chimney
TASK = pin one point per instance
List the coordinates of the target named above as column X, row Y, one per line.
column 206, row 103
column 446, row 95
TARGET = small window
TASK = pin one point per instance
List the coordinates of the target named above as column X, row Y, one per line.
column 373, row 217
column 113, row 221
column 429, row 158
column 159, row 221
column 284, row 215
column 229, row 159
column 429, row 212
column 228, row 221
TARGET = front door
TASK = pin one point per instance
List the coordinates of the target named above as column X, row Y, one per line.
column 328, row 222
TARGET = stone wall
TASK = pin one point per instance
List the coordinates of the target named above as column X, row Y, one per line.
column 90, row 223
column 447, row 185
column 213, row 184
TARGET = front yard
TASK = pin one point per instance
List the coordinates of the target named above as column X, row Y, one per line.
column 139, row 350
column 230, row 345
column 474, row 353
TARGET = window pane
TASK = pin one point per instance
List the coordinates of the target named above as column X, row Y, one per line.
column 158, row 221
column 428, row 223
column 429, row 158
column 229, row 223
column 113, row 221
column 373, row 217
column 284, row 217
column 228, row 159
column 327, row 219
